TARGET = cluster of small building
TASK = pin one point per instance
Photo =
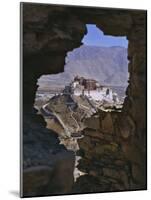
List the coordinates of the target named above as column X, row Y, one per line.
column 91, row 88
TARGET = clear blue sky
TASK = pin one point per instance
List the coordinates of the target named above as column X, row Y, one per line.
column 95, row 37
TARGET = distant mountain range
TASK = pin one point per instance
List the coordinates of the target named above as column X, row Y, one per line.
column 108, row 65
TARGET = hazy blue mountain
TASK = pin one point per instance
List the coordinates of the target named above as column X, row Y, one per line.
column 108, row 65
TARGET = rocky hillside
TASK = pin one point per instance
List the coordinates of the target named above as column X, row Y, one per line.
column 108, row 65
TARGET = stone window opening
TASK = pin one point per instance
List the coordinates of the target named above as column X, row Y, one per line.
column 114, row 154
column 47, row 90
column 111, row 150
column 114, row 81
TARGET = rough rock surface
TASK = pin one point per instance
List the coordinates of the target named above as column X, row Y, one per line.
column 45, row 163
column 49, row 32
column 105, row 159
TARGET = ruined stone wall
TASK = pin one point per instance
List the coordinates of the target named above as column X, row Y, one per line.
column 112, row 158
column 49, row 32
column 115, row 154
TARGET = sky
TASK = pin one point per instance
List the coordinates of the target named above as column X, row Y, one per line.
column 95, row 37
